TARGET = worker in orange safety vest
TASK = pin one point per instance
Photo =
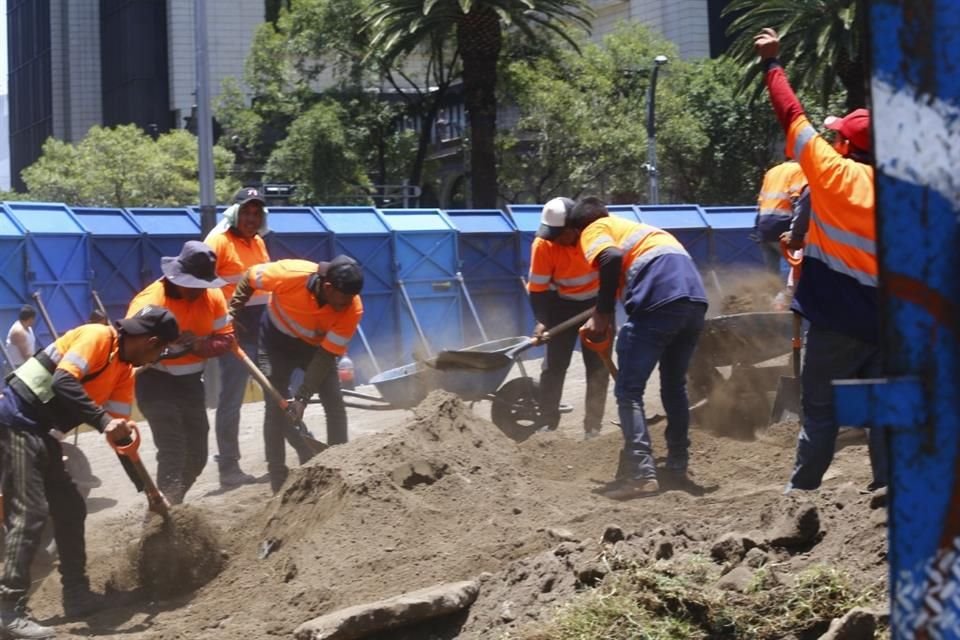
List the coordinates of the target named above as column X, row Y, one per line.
column 838, row 291
column 561, row 285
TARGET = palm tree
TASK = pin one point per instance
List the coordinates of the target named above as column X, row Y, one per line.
column 399, row 27
column 822, row 41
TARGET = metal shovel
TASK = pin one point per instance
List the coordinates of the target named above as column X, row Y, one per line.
column 786, row 405
column 316, row 446
column 130, row 449
column 487, row 360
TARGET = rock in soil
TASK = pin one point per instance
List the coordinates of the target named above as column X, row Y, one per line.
column 797, row 527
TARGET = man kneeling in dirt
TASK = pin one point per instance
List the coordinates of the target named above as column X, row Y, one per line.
column 86, row 376
column 313, row 312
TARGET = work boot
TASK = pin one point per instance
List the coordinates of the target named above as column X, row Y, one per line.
column 231, row 475
column 15, row 622
column 277, row 478
column 79, row 601
column 630, row 489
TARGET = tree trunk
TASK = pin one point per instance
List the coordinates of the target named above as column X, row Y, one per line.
column 423, row 142
column 480, row 39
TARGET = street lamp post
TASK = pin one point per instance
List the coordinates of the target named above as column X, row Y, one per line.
column 204, row 123
column 652, row 130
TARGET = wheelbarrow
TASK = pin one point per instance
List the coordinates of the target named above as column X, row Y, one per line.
column 743, row 342
column 473, row 373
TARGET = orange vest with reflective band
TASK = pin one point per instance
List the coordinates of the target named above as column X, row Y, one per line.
column 235, row 256
column 640, row 243
column 205, row 316
column 94, row 350
column 782, row 184
column 555, row 267
column 840, row 271
column 294, row 310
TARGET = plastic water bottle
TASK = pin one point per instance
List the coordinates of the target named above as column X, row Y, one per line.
column 345, row 373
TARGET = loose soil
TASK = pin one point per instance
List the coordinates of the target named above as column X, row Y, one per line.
column 441, row 495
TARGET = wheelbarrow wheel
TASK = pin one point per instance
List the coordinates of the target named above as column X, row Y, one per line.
column 516, row 409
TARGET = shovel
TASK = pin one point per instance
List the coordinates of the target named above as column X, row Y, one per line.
column 313, row 444
column 489, row 360
column 130, row 449
column 787, row 402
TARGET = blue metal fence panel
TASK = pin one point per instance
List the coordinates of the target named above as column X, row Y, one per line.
column 916, row 100
column 490, row 258
column 13, row 270
column 165, row 231
column 526, row 218
column 361, row 233
column 686, row 223
column 731, row 244
column 58, row 263
column 297, row 232
column 116, row 256
column 427, row 260
column 625, row 211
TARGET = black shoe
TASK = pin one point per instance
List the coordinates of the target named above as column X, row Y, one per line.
column 235, row 477
column 80, row 601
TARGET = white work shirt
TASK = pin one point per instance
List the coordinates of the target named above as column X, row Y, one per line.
column 16, row 359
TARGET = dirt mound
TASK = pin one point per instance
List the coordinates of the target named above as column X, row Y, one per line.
column 179, row 555
column 446, row 496
column 744, row 290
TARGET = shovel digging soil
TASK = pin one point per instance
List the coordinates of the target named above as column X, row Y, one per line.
column 179, row 550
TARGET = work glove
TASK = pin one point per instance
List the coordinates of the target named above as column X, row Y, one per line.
column 295, row 409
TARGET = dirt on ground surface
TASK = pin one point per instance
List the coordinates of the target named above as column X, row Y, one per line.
column 440, row 495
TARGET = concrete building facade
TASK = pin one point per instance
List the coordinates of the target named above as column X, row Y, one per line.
column 78, row 63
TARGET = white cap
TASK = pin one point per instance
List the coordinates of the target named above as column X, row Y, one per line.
column 553, row 217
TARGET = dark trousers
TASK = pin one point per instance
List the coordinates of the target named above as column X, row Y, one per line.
column 831, row 356
column 666, row 336
column 233, row 385
column 281, row 355
column 37, row 485
column 175, row 408
column 559, row 351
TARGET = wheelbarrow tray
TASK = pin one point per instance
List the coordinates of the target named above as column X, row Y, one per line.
column 405, row 387
column 744, row 338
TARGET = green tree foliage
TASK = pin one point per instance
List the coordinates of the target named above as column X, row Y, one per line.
column 582, row 126
column 401, row 27
column 314, row 43
column 822, row 41
column 122, row 167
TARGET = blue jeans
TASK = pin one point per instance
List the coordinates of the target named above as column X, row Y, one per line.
column 832, row 356
column 233, row 384
column 667, row 336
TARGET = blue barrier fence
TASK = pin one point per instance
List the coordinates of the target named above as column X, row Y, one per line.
column 430, row 274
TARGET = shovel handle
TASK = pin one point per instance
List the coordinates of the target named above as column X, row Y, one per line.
column 130, row 447
column 602, row 349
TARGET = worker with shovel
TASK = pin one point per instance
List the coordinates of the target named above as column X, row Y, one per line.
column 86, row 376
column 313, row 312
column 170, row 392
column 838, row 291
column 665, row 302
column 562, row 284
column 239, row 245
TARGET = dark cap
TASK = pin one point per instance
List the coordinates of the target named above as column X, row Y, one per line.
column 194, row 268
column 248, row 194
column 151, row 321
column 345, row 275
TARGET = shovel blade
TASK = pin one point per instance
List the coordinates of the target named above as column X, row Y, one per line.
column 786, row 405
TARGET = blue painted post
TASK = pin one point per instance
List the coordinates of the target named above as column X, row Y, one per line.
column 916, row 110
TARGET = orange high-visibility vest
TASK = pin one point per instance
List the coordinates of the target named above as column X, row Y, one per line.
column 294, row 310
column 555, row 267
column 782, row 185
column 205, row 316
column 840, row 271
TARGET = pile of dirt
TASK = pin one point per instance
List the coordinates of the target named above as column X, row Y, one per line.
column 178, row 555
column 745, row 290
column 447, row 497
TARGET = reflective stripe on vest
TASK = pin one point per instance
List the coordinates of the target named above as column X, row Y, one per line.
column 287, row 325
column 118, row 408
column 579, row 297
